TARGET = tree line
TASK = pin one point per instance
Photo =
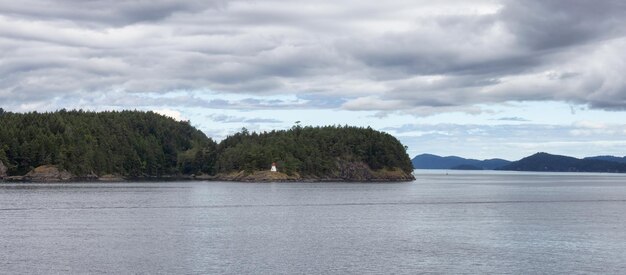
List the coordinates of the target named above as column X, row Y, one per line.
column 128, row 143
column 146, row 144
column 311, row 151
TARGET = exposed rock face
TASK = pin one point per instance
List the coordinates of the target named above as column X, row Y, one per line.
column 259, row 176
column 3, row 170
column 346, row 171
column 354, row 171
column 48, row 173
column 359, row 171
column 392, row 175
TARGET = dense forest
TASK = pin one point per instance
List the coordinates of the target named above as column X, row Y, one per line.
column 128, row 143
column 145, row 144
column 311, row 151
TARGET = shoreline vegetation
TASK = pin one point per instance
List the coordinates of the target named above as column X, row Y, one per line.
column 69, row 146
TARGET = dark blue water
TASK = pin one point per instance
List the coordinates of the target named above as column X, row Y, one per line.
column 465, row 222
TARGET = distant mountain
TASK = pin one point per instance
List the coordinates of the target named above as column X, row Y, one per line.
column 429, row 161
column 492, row 164
column 466, row 167
column 556, row 163
column 609, row 158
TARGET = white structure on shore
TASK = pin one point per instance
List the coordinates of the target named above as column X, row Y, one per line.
column 273, row 167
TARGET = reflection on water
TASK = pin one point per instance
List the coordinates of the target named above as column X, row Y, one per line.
column 445, row 221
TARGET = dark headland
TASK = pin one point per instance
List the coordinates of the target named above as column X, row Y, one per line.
column 133, row 145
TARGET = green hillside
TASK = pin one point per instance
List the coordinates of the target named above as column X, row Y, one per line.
column 133, row 144
column 312, row 151
column 127, row 143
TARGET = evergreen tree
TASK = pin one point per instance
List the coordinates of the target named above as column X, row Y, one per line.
column 127, row 143
column 311, row 151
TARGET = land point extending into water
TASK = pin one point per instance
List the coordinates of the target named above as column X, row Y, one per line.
column 132, row 145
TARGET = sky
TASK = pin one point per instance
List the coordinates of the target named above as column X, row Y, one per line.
column 480, row 79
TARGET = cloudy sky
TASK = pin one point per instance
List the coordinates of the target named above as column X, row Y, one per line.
column 471, row 78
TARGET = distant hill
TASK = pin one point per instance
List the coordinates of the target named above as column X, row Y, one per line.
column 556, row 163
column 429, row 161
column 609, row 158
column 466, row 167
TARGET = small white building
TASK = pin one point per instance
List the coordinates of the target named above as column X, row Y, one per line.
column 273, row 169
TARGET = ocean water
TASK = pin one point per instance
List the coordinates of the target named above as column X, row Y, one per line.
column 444, row 222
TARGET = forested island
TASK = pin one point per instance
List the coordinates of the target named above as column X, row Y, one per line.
column 134, row 145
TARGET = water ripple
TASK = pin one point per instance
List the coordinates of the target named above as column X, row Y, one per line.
column 311, row 205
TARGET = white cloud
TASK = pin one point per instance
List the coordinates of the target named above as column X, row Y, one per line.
column 171, row 113
column 412, row 57
column 511, row 141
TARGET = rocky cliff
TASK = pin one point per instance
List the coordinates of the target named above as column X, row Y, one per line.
column 3, row 171
column 48, row 173
column 257, row 176
column 345, row 172
column 360, row 171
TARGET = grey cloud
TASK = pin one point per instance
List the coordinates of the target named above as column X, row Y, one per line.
column 542, row 24
column 120, row 99
column 466, row 44
column 104, row 12
column 355, row 55
column 237, row 119
column 473, row 66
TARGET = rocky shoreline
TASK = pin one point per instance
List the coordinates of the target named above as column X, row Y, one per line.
column 352, row 172
column 3, row 171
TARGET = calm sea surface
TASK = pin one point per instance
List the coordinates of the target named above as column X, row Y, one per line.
column 460, row 222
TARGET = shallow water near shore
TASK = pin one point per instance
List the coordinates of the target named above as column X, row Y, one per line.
column 444, row 222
